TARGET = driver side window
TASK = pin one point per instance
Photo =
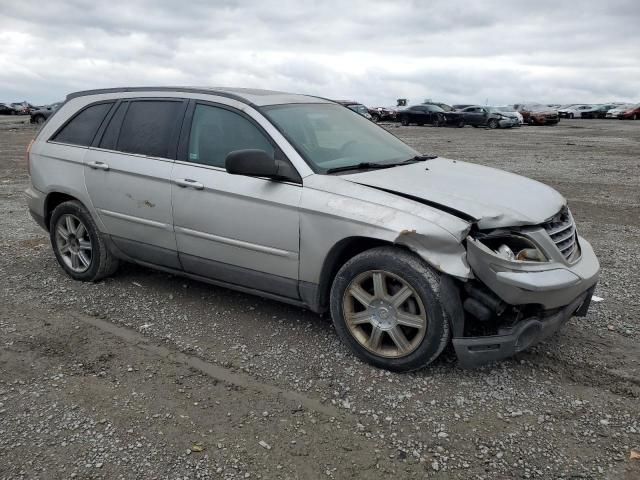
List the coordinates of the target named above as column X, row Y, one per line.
column 216, row 131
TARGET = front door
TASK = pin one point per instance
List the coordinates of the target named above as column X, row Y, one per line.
column 236, row 229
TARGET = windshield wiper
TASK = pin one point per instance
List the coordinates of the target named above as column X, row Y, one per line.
column 370, row 165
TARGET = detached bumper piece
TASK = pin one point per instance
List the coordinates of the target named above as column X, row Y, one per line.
column 477, row 351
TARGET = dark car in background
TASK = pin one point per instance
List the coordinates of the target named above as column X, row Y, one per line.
column 6, row 109
column 491, row 117
column 22, row 108
column 40, row 115
column 384, row 114
column 430, row 114
column 597, row 111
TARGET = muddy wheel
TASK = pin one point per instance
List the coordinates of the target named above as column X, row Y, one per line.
column 77, row 244
column 385, row 306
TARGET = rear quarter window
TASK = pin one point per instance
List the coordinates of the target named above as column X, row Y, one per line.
column 81, row 129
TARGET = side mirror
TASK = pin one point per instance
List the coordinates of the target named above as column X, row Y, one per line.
column 253, row 163
column 258, row 163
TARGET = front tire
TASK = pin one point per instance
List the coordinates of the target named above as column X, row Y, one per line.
column 375, row 118
column 385, row 306
column 404, row 121
column 492, row 124
column 77, row 244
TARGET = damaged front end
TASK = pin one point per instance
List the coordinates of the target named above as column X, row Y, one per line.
column 528, row 281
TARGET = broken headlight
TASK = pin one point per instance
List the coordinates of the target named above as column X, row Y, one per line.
column 514, row 248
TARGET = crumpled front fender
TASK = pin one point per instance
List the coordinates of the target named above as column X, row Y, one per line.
column 443, row 254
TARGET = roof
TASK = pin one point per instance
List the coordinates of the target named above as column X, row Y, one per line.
column 252, row 96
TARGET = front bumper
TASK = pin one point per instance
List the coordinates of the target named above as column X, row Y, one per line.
column 508, row 122
column 551, row 284
column 477, row 351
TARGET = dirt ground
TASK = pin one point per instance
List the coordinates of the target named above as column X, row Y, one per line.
column 147, row 375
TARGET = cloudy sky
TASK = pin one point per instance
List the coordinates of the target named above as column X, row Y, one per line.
column 452, row 51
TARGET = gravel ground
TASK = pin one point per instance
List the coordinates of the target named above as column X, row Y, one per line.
column 147, row 375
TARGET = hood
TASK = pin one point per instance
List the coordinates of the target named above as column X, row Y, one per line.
column 494, row 198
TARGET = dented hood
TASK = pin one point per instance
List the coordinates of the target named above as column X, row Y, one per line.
column 494, row 198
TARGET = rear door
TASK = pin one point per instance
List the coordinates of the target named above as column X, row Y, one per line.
column 128, row 177
column 237, row 229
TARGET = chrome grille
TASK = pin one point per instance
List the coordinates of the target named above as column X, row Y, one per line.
column 562, row 230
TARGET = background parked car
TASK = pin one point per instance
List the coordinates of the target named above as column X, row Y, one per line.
column 509, row 110
column 6, row 109
column 478, row 116
column 597, row 111
column 617, row 110
column 40, row 115
column 356, row 107
column 430, row 114
column 381, row 114
column 631, row 113
column 573, row 111
column 535, row 114
column 22, row 108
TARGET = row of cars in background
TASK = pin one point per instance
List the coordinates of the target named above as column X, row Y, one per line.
column 38, row 114
column 16, row 108
column 624, row 111
column 441, row 114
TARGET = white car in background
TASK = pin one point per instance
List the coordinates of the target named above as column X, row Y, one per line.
column 512, row 113
column 614, row 112
column 571, row 111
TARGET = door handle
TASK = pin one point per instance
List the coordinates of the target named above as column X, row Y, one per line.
column 98, row 165
column 188, row 183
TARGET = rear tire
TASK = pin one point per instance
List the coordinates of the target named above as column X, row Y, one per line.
column 40, row 119
column 385, row 306
column 78, row 245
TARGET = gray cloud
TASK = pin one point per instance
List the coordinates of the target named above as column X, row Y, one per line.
column 454, row 51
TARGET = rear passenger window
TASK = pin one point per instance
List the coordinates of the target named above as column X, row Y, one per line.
column 217, row 131
column 82, row 128
column 148, row 127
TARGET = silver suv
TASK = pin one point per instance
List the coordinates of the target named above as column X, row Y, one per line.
column 302, row 200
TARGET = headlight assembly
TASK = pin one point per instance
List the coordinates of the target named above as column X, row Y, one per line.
column 514, row 248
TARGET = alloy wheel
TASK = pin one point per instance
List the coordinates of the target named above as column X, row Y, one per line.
column 384, row 314
column 74, row 243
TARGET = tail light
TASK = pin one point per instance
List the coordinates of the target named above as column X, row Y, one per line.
column 28, row 154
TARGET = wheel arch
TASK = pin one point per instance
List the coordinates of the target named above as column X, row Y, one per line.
column 338, row 255
column 52, row 200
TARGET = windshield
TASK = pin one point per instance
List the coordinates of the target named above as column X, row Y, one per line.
column 330, row 136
